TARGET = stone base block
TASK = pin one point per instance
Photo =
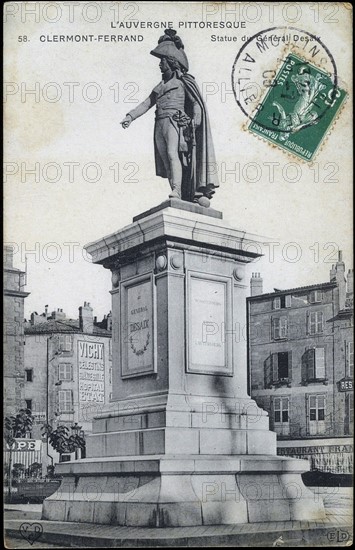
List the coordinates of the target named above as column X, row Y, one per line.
column 181, row 441
column 183, row 491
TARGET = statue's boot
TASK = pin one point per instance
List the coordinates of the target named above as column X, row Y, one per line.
column 175, row 191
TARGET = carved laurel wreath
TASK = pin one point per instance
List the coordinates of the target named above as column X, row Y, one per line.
column 141, row 350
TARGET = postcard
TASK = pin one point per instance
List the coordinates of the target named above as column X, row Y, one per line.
column 172, row 171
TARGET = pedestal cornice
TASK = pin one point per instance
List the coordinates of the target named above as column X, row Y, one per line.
column 177, row 226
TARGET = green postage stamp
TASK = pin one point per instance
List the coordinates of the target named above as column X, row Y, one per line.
column 299, row 108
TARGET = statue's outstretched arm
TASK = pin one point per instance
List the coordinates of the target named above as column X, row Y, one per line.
column 140, row 110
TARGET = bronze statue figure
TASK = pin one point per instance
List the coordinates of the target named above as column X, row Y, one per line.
column 183, row 144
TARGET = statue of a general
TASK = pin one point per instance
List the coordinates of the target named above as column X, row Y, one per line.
column 183, row 144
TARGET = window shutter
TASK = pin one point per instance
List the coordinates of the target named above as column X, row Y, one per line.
column 346, row 347
column 310, row 364
column 68, row 342
column 60, row 400
column 276, row 328
column 304, row 366
column 319, row 363
column 54, row 342
column 275, row 367
column 307, row 323
column 290, row 365
column 312, row 322
column 71, row 372
column 319, row 321
column 350, row 359
column 307, row 414
column 267, row 367
column 283, row 327
column 347, row 416
column 288, row 300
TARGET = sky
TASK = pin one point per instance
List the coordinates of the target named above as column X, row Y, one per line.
column 90, row 177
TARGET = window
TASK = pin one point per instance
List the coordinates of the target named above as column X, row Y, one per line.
column 281, row 415
column 29, row 375
column 315, row 296
column 314, row 364
column 350, row 359
column 281, row 302
column 65, row 342
column 349, row 414
column 279, row 328
column 110, row 376
column 315, row 322
column 278, row 368
column 28, row 404
column 65, row 371
column 316, row 414
column 65, row 458
column 65, row 401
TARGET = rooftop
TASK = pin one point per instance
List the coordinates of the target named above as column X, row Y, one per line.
column 278, row 292
column 63, row 325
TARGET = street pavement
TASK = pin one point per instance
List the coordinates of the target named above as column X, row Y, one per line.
column 335, row 530
column 12, row 542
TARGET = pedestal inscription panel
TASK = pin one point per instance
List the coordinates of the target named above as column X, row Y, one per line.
column 208, row 321
column 137, row 328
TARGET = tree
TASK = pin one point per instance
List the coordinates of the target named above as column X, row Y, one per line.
column 17, row 471
column 62, row 441
column 16, row 426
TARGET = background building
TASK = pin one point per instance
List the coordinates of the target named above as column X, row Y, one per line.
column 14, row 297
column 301, row 367
column 68, row 374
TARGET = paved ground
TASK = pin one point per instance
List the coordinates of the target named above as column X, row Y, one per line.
column 335, row 530
column 14, row 542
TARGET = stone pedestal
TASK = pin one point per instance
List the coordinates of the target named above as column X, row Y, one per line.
column 182, row 442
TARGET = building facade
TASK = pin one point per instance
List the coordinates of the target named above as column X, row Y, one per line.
column 301, row 367
column 14, row 370
column 68, row 372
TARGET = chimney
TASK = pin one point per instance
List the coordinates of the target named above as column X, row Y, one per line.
column 109, row 321
column 340, row 279
column 350, row 283
column 8, row 257
column 58, row 315
column 46, row 311
column 256, row 284
column 86, row 320
column 332, row 274
column 35, row 318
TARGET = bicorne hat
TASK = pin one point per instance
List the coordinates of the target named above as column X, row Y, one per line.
column 170, row 45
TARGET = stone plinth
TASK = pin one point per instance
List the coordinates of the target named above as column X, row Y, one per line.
column 182, row 442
